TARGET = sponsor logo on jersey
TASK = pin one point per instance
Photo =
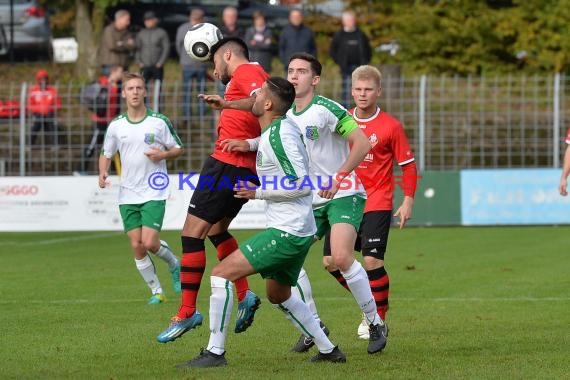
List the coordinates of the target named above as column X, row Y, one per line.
column 312, row 133
column 369, row 157
column 149, row 138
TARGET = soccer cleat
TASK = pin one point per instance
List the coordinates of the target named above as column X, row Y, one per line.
column 363, row 329
column 304, row 343
column 378, row 337
column 178, row 326
column 175, row 274
column 205, row 359
column 157, row 298
column 246, row 311
column 335, row 356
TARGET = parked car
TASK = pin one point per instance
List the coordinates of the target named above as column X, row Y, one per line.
column 173, row 13
column 32, row 32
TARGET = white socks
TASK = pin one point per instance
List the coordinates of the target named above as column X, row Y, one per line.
column 359, row 286
column 221, row 303
column 148, row 273
column 302, row 318
column 304, row 291
column 167, row 255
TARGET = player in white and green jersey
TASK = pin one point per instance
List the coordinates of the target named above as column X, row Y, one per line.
column 144, row 140
column 328, row 129
column 278, row 252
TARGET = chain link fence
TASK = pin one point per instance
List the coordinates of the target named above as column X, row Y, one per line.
column 453, row 123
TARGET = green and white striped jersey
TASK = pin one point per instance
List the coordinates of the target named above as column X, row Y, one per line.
column 132, row 140
column 282, row 164
column 324, row 125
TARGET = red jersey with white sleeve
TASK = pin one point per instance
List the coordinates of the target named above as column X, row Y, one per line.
column 389, row 143
column 568, row 136
column 235, row 124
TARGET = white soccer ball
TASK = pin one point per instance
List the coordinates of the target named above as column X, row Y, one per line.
column 199, row 40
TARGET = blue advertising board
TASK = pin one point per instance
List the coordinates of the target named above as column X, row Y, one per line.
column 513, row 196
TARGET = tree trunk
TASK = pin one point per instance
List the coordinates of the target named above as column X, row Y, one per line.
column 86, row 66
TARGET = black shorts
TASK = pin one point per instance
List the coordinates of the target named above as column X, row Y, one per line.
column 213, row 198
column 372, row 238
column 374, row 232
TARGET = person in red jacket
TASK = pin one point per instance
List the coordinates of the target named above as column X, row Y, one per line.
column 43, row 104
column 112, row 83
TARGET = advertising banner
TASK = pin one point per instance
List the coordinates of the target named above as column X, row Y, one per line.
column 513, row 196
column 78, row 204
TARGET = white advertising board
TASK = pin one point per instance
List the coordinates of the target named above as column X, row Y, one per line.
column 70, row 203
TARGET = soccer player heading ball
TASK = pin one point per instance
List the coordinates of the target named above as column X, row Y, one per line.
column 211, row 210
column 277, row 253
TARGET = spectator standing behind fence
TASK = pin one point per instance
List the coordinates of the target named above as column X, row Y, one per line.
column 153, row 47
column 43, row 103
column 193, row 71
column 111, row 90
column 117, row 43
column 259, row 41
column 296, row 38
column 229, row 28
column 349, row 49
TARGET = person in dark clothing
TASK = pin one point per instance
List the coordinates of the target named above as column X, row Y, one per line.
column 296, row 38
column 112, row 83
column 349, row 49
column 229, row 26
column 117, row 43
column 153, row 47
column 259, row 41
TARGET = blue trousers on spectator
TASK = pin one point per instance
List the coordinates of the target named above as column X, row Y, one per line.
column 189, row 76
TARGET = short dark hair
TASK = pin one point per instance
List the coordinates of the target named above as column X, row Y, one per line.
column 237, row 45
column 315, row 64
column 282, row 93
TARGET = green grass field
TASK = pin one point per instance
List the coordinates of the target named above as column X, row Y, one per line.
column 465, row 303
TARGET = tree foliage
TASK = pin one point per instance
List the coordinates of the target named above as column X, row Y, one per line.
column 435, row 36
column 470, row 36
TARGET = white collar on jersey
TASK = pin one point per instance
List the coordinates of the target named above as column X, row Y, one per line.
column 365, row 120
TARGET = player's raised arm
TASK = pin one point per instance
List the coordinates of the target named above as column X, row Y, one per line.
column 218, row 103
column 360, row 147
column 562, row 187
